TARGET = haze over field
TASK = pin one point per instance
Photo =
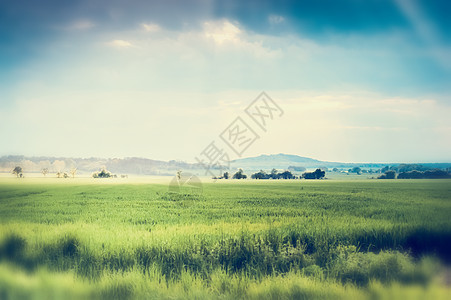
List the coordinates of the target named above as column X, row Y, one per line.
column 225, row 149
column 143, row 166
column 357, row 83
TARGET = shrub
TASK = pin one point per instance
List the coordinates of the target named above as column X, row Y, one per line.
column 239, row 175
column 318, row 174
column 102, row 174
column 388, row 175
column 13, row 247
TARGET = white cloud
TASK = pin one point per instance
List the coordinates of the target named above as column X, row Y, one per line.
column 120, row 44
column 151, row 27
column 222, row 31
column 229, row 37
column 361, row 127
column 332, row 126
column 193, row 83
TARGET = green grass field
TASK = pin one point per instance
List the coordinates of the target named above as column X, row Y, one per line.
column 113, row 239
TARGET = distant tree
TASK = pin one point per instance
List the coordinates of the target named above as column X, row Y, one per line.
column 59, row 174
column 226, row 175
column 17, row 171
column 309, row 175
column 318, row 174
column 436, row 174
column 274, row 174
column 260, row 175
column 334, row 170
column 429, row 174
column 65, row 175
column 287, row 175
column 102, row 174
column 45, row 171
column 411, row 175
column 179, row 174
column 356, row 170
column 384, row 169
column 410, row 167
column 239, row 175
column 73, row 171
column 388, row 175
column 44, row 164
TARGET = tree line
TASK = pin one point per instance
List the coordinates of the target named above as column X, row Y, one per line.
column 18, row 171
column 414, row 174
column 275, row 174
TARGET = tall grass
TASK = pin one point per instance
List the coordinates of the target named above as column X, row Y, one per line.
column 248, row 240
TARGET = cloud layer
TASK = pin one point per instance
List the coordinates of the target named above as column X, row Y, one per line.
column 358, row 82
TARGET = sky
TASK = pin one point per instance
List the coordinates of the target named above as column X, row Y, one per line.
column 358, row 81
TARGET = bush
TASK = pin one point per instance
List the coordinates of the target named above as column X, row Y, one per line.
column 411, row 175
column 318, row 174
column 102, row 174
column 435, row 174
column 260, row 175
column 239, row 175
column 429, row 174
column 13, row 247
column 388, row 175
column 274, row 175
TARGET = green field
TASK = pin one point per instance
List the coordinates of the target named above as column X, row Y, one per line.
column 105, row 238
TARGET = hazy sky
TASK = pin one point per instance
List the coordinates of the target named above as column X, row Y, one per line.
column 358, row 81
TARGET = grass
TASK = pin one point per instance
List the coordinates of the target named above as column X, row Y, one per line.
column 239, row 239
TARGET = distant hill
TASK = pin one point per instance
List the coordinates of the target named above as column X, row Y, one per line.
column 278, row 161
column 128, row 165
column 284, row 161
column 145, row 166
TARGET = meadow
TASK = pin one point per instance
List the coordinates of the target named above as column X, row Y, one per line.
column 250, row 239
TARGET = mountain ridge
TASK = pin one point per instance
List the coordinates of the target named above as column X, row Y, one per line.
column 146, row 166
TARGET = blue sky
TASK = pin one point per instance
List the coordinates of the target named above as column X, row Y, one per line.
column 358, row 80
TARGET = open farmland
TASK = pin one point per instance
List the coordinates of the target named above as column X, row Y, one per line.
column 78, row 238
